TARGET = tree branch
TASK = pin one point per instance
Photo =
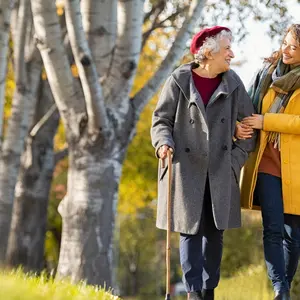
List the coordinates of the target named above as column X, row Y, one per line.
column 99, row 19
column 174, row 54
column 97, row 118
column 49, row 41
column 127, row 52
column 38, row 126
column 153, row 26
column 20, row 71
column 160, row 24
column 14, row 19
column 160, row 6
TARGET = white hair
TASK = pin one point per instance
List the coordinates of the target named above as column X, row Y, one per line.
column 212, row 44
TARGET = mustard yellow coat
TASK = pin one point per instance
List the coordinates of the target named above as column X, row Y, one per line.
column 288, row 124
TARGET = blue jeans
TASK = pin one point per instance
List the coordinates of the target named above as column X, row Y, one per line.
column 281, row 233
column 201, row 254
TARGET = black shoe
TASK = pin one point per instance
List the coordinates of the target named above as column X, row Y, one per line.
column 195, row 296
column 208, row 294
column 282, row 296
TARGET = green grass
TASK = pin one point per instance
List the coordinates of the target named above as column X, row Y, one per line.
column 250, row 284
column 19, row 286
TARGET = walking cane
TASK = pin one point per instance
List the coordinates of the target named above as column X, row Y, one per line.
column 168, row 246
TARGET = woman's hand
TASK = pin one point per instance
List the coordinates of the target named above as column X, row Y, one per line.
column 255, row 121
column 162, row 151
column 243, row 131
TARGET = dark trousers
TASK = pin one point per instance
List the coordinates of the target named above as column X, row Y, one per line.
column 281, row 233
column 201, row 254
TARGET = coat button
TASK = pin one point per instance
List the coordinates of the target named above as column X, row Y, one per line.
column 286, row 161
column 287, row 182
column 192, row 121
column 187, row 150
column 224, row 147
column 223, row 120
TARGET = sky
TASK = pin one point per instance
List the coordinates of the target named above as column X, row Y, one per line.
column 258, row 45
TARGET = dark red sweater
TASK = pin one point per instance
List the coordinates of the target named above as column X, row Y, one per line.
column 206, row 86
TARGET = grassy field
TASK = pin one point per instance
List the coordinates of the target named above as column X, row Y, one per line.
column 17, row 286
column 251, row 284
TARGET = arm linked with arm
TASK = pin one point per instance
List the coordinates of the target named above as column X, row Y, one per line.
column 242, row 148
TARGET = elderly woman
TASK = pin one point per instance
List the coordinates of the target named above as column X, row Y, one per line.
column 271, row 179
column 195, row 117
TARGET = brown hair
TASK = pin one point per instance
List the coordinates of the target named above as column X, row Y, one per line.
column 295, row 31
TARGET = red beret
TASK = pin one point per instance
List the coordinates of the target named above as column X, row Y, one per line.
column 198, row 39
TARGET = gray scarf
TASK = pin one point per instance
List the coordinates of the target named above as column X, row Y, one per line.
column 284, row 81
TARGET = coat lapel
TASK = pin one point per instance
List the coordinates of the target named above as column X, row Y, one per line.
column 226, row 87
column 222, row 89
column 196, row 98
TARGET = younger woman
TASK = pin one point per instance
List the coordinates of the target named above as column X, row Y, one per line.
column 272, row 173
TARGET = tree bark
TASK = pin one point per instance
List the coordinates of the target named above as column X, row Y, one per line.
column 87, row 71
column 119, row 82
column 85, row 247
column 99, row 20
column 88, row 213
column 21, row 117
column 29, row 220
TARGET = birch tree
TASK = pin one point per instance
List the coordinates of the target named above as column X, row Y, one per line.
column 29, row 221
column 27, row 68
column 29, row 216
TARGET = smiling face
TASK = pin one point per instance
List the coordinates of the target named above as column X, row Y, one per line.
column 290, row 50
column 222, row 59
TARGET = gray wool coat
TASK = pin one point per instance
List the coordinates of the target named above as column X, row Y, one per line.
column 202, row 140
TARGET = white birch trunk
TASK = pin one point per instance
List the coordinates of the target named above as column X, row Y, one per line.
column 87, row 221
column 126, row 54
column 100, row 25
column 87, row 70
column 49, row 42
column 5, row 12
column 14, row 19
column 29, row 219
column 88, row 213
column 21, row 117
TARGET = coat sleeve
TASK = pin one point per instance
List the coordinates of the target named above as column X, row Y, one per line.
column 284, row 123
column 164, row 116
column 242, row 148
